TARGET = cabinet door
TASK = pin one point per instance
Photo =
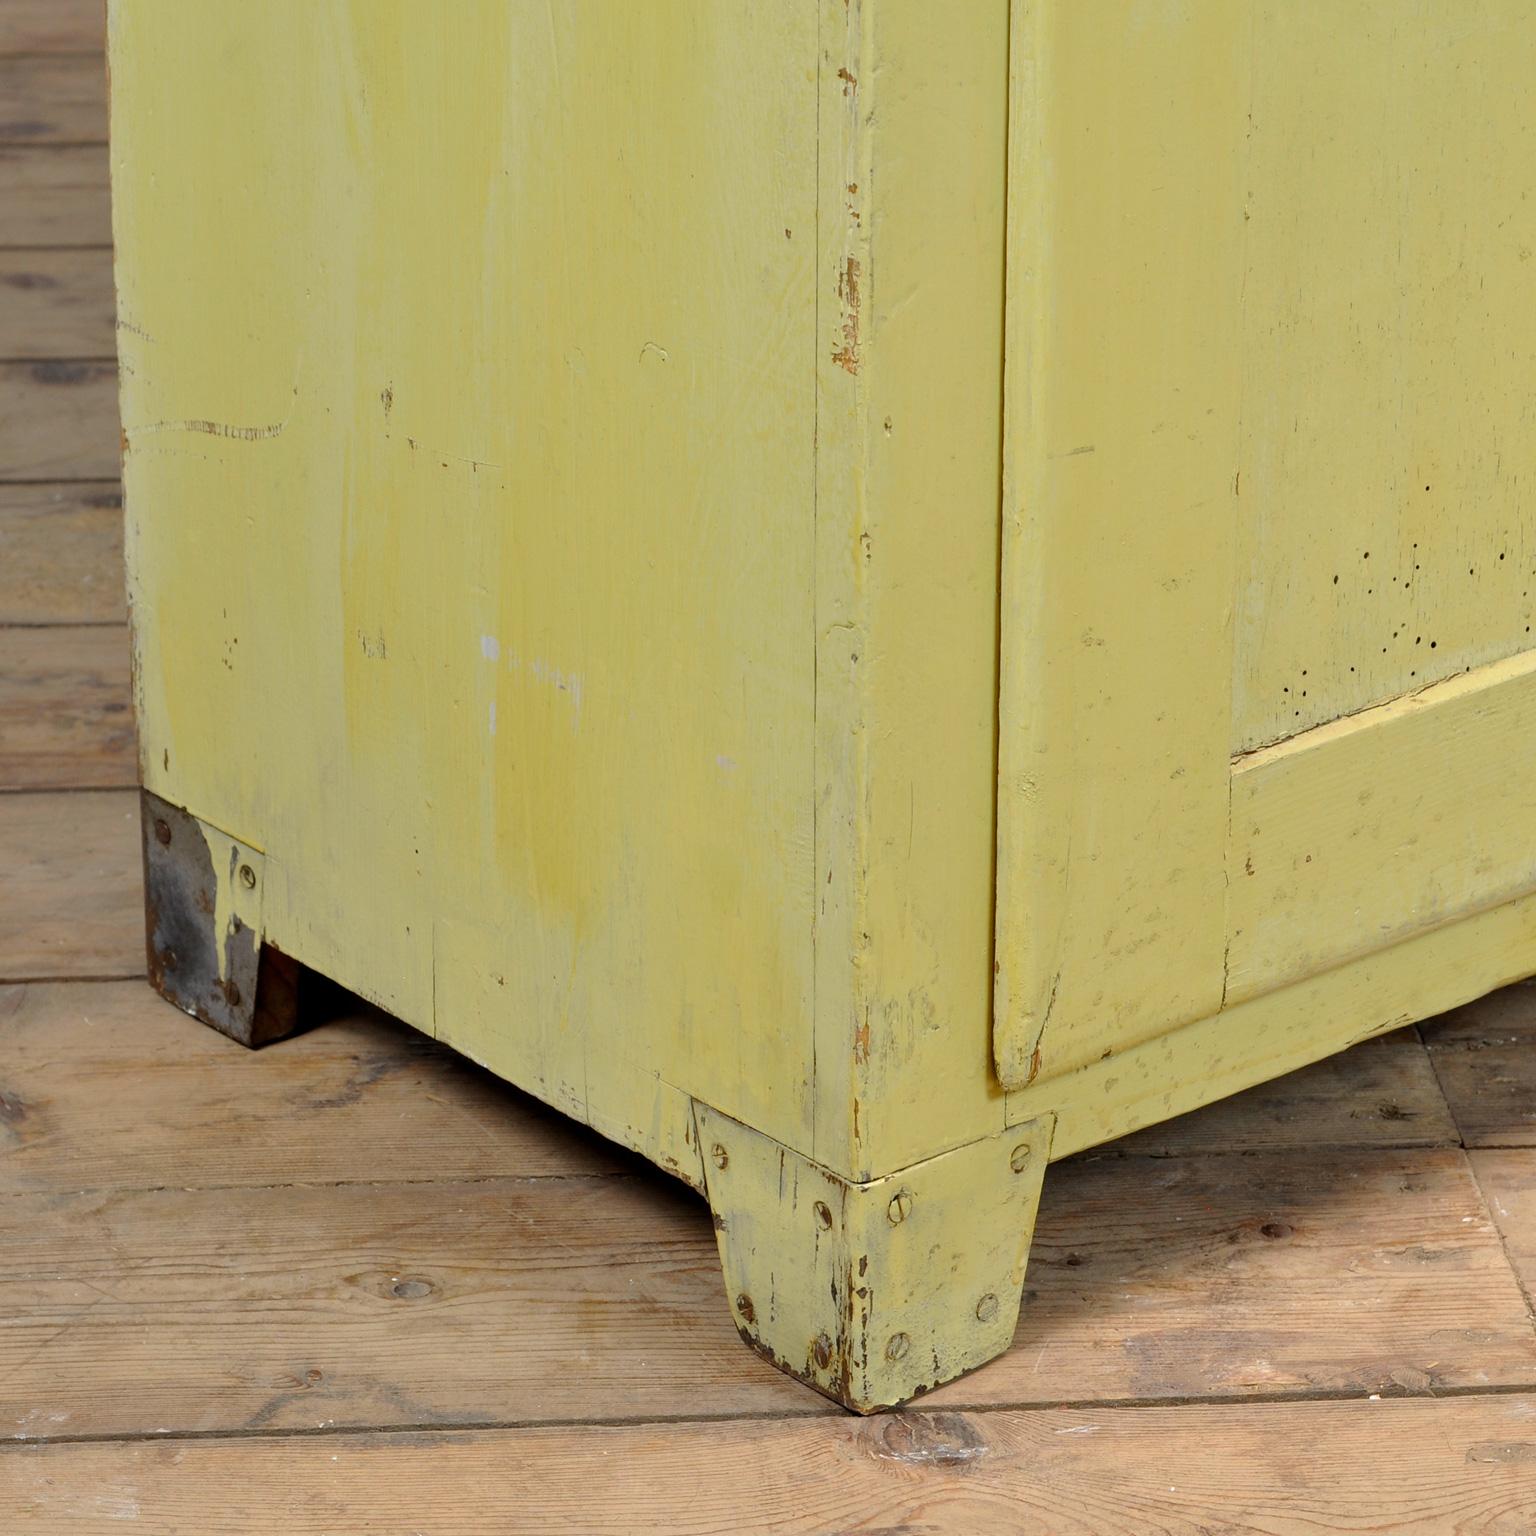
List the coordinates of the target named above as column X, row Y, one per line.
column 1268, row 686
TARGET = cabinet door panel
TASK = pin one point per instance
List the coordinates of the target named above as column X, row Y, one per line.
column 1270, row 340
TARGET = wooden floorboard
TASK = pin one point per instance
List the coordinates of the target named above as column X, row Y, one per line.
column 61, row 554
column 308, row 1306
column 58, row 421
column 54, row 195
column 1462, row 1467
column 66, row 712
column 110, row 1087
column 53, row 26
column 1485, row 1057
column 71, row 900
column 53, row 99
column 56, row 304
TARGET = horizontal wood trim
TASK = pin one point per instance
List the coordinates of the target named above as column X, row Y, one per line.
column 71, row 896
column 66, row 709
column 53, row 26
column 61, row 554
column 1381, row 1092
column 57, row 304
column 1393, row 821
column 53, row 99
column 55, row 195
column 1411, row 1467
column 58, row 421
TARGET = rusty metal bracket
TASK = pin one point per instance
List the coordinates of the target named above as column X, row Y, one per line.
column 203, row 929
column 874, row 1292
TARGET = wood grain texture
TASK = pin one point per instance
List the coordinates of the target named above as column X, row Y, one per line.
column 1485, row 1057
column 1381, row 1093
column 503, row 1300
column 58, row 421
column 1462, row 1467
column 1507, row 1176
column 55, row 196
column 53, row 99
column 71, row 899
column 52, row 26
column 56, row 304
column 66, row 711
column 360, row 1099
column 61, row 554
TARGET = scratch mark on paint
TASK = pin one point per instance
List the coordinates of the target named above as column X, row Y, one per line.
column 212, row 428
column 847, row 355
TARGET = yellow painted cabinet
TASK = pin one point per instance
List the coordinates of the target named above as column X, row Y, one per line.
column 860, row 596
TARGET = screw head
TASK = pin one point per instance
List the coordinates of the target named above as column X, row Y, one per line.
column 821, row 1351
column 823, row 1215
column 900, row 1207
column 248, row 877
column 719, row 1156
column 1019, row 1158
column 986, row 1308
column 162, row 831
column 896, row 1346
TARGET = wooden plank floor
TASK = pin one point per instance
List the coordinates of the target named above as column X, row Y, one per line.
column 353, row 1283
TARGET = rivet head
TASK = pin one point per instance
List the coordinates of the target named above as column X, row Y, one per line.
column 719, row 1156
column 248, row 877
column 986, row 1308
column 823, row 1215
column 1019, row 1158
column 900, row 1207
column 162, row 831
column 821, row 1351
column 896, row 1346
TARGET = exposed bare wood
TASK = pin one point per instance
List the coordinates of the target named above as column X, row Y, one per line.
column 55, row 196
column 52, row 26
column 1394, row 1468
column 1485, row 1056
column 66, row 714
column 58, row 421
column 61, row 554
column 112, row 1088
column 70, row 896
column 56, row 304
column 1380, row 1093
column 53, row 99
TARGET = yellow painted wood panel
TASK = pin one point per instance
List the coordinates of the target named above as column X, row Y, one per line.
column 1126, row 176
column 470, row 481
column 1387, row 535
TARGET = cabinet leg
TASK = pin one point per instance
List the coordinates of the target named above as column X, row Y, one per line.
column 203, row 931
column 874, row 1292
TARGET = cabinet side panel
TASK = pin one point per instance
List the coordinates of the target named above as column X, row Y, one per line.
column 468, row 399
